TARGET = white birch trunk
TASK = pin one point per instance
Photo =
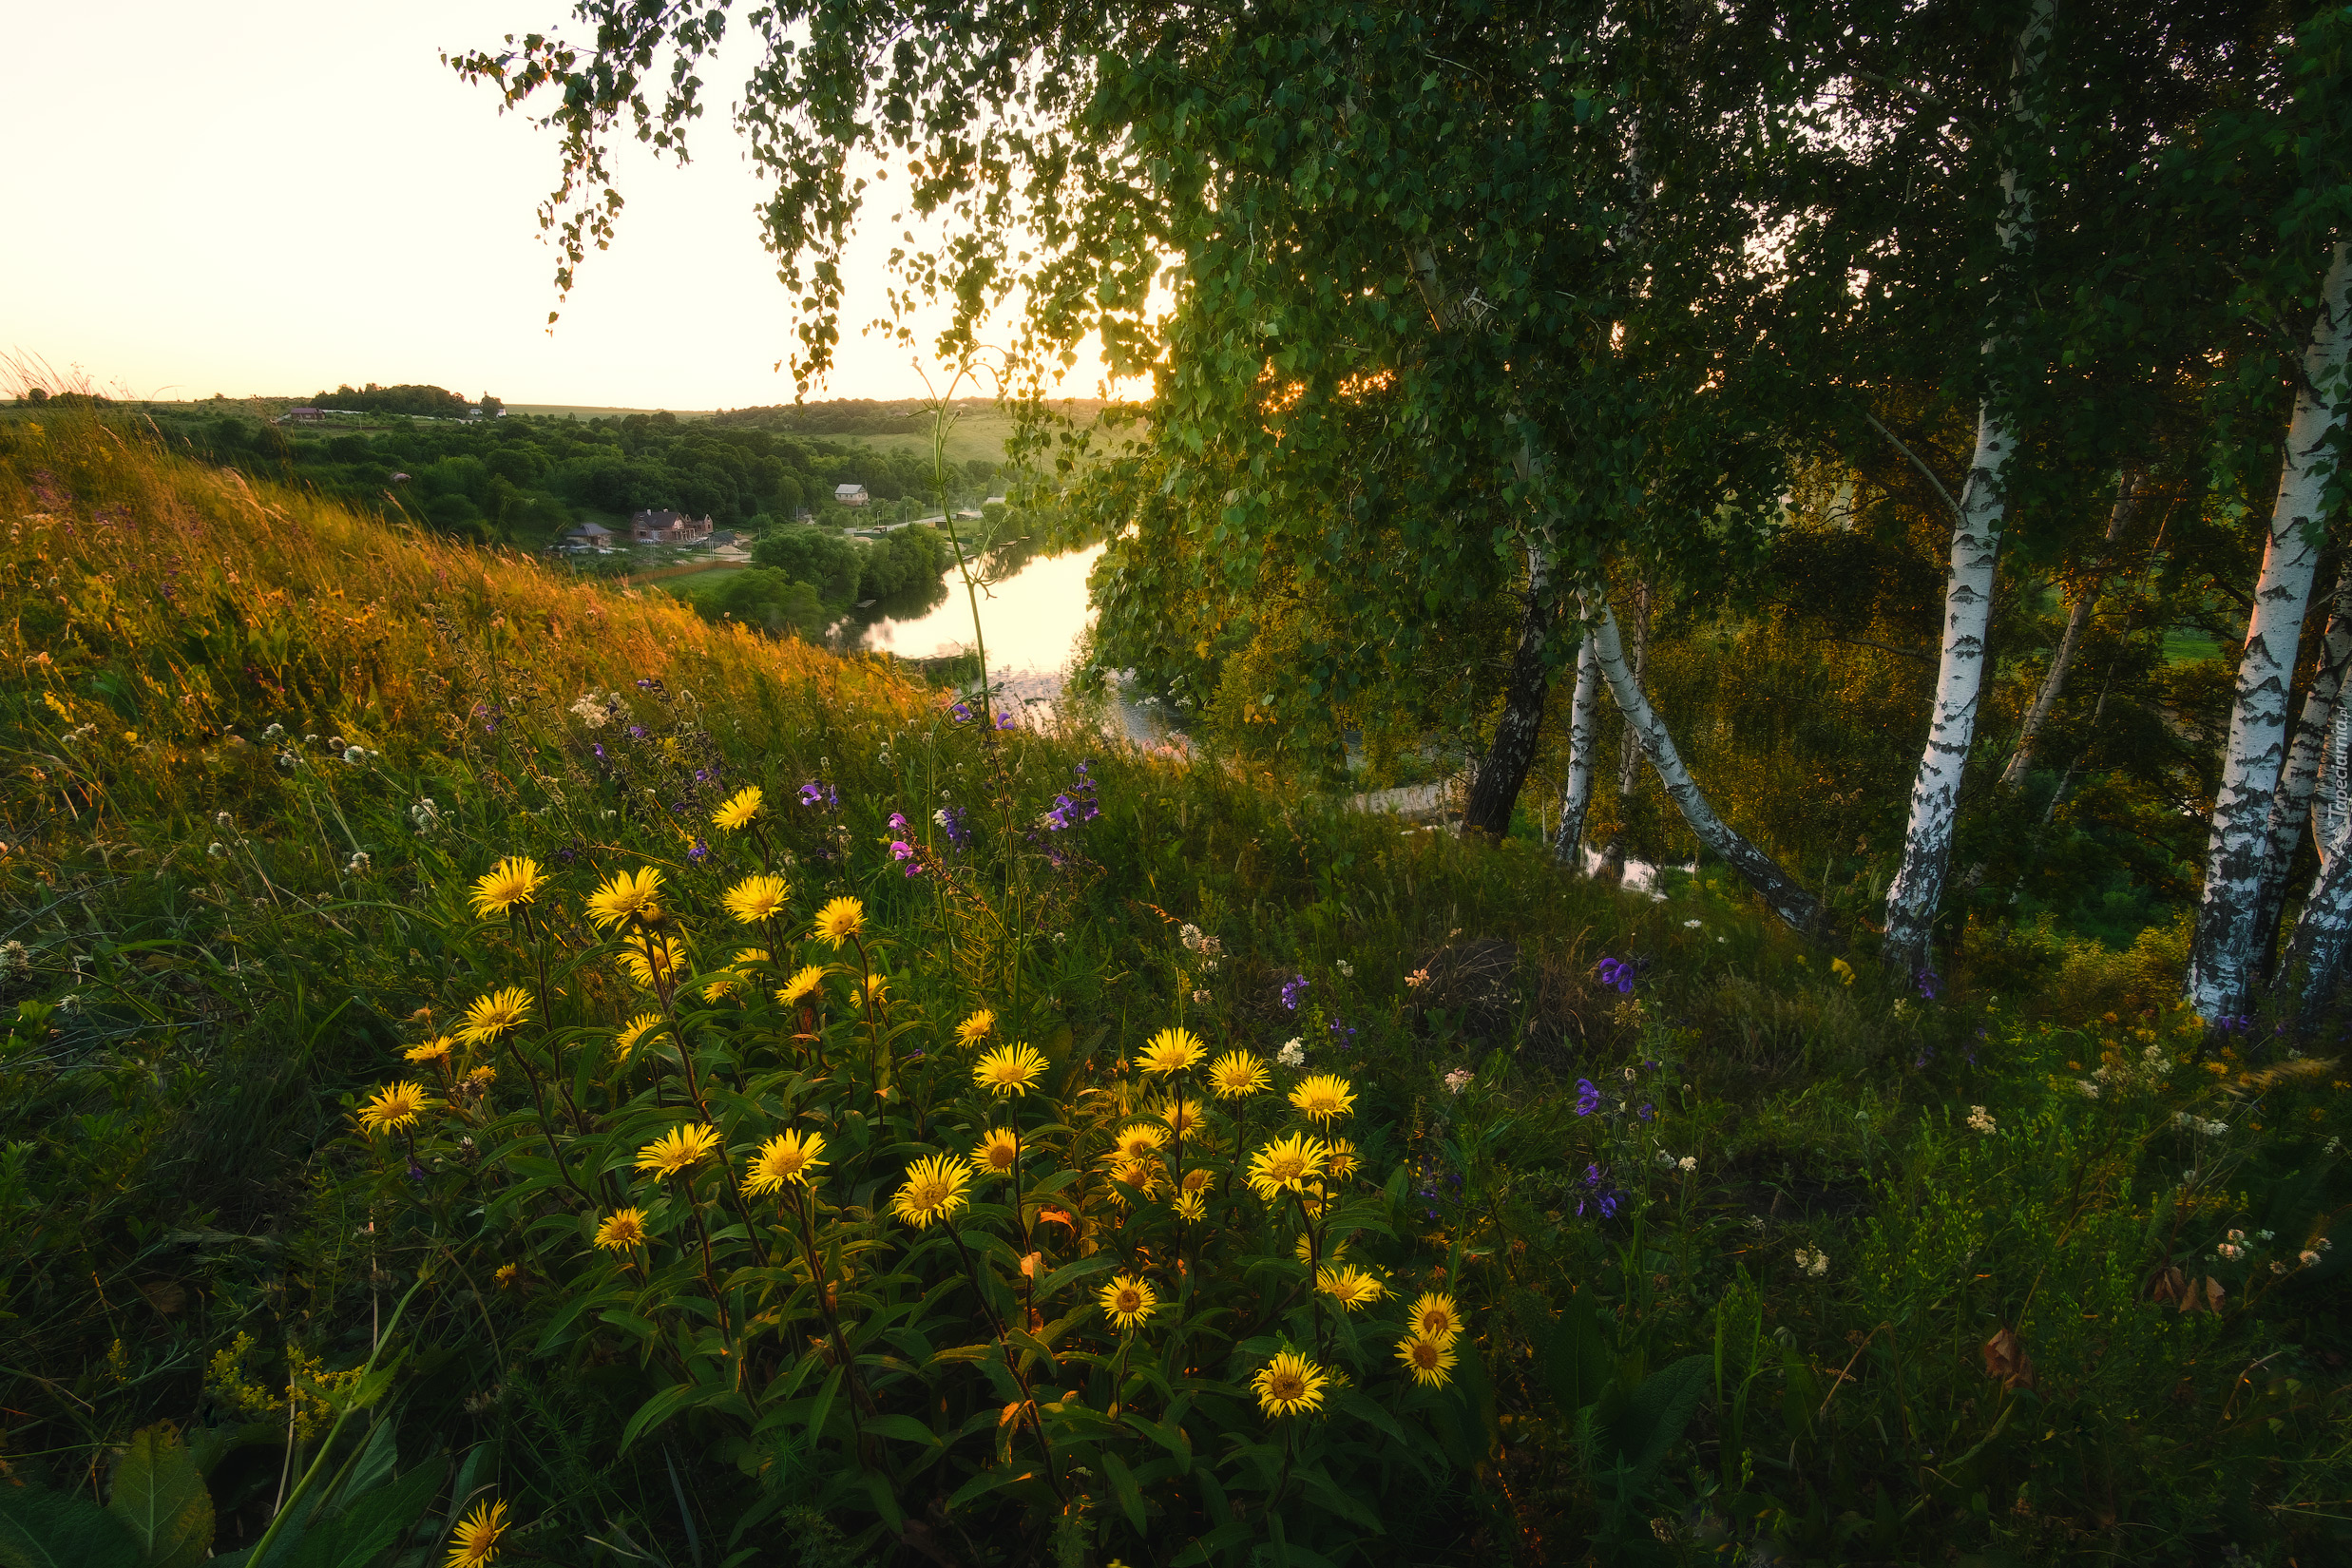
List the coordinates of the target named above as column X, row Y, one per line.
column 1575, row 796
column 2221, row 954
column 2315, row 957
column 1787, row 899
column 1917, row 893
column 2334, row 808
column 2292, row 803
column 2070, row 642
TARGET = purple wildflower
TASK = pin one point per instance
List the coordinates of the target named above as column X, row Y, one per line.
column 1927, row 981
column 1293, row 991
column 700, row 853
column 961, row 713
column 1587, row 1096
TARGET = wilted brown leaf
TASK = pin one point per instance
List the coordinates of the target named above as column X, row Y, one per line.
column 165, row 1295
column 2203, row 1295
column 2005, row 1359
column 2166, row 1284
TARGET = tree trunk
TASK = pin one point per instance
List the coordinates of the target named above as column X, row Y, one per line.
column 1494, row 791
column 1629, row 745
column 2315, row 957
column 1787, row 899
column 2077, row 621
column 2221, row 953
column 2298, row 780
column 1575, row 796
column 1917, row 893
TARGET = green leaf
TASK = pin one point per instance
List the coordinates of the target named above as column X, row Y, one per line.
column 374, row 1522
column 161, row 1498
column 1130, row 1495
column 904, row 1428
column 45, row 1529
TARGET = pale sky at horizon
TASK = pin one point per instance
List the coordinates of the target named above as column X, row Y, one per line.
column 272, row 198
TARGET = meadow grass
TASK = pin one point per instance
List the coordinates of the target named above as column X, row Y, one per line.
column 2018, row 1271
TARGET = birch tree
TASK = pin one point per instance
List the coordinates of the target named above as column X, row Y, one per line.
column 2078, row 616
column 2293, row 804
column 1576, row 796
column 2221, row 955
column 1917, row 893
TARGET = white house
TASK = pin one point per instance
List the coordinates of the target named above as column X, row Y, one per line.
column 849, row 495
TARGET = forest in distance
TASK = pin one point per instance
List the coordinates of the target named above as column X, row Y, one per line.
column 504, row 1065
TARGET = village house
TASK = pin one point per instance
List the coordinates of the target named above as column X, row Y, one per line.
column 849, row 495
column 667, row 528
column 304, row 416
column 590, row 536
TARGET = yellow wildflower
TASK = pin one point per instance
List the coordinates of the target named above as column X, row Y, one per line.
column 789, row 1156
column 494, row 1014
column 1431, row 1360
column 513, row 881
column 1236, row 1075
column 1139, row 1141
column 975, row 1029
column 656, row 961
column 1010, row 1069
column 1349, row 1285
column 678, row 1148
column 993, row 1155
column 933, row 1190
column 435, row 1049
column 1287, row 1166
column 1127, row 1300
column 1171, row 1051
column 740, row 809
column 801, row 984
column 1290, row 1384
column 1342, row 1162
column 1323, row 1097
column 622, row 1230
column 633, row 1033
column 395, row 1107
column 1435, row 1316
column 628, row 896
column 840, row 919
column 756, row 898
column 474, row 1543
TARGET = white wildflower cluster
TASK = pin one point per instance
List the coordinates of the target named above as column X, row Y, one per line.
column 359, row 756
column 2090, row 1089
column 1293, row 1054
column 2234, row 1247
column 276, row 732
column 1691, row 925
column 1207, row 947
column 1980, row 1121
column 1201, row 999
column 2191, row 1122
column 1686, row 1164
column 79, row 733
column 1812, row 1261
column 216, row 849
column 595, row 709
column 1347, row 970
column 223, row 820
column 358, row 864
column 1459, row 1080
column 2154, row 1065
column 426, row 816
column 15, row 960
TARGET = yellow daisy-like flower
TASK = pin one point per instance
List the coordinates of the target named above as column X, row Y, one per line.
column 482, row 1076
column 1431, row 1360
column 628, row 896
column 494, row 1014
column 1190, row 1205
column 975, row 1029
column 740, row 809
column 801, row 985
column 1139, row 1141
column 756, row 898
column 1143, row 1177
column 622, row 1230
column 993, row 1155
column 474, row 1543
column 1323, row 1096
column 875, row 990
column 933, row 1190
column 1305, row 1250
column 726, row 983
column 394, row 1106
column 1290, row 1384
column 1195, row 1180
column 435, row 1049
column 1350, row 1287
column 1171, row 1051
column 789, row 1156
column 1237, row 1075
column 655, row 964
column 678, row 1149
column 509, row 1276
column 1127, row 1300
column 1287, row 1166
column 840, row 920
column 513, row 881
column 1435, row 1316
column 1010, row 1069
column 1183, row 1119
column 633, row 1033
column 1343, row 1162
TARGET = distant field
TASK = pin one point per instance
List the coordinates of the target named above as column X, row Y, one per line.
column 584, row 410
column 2185, row 647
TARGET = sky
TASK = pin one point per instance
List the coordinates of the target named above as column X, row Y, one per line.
column 272, row 198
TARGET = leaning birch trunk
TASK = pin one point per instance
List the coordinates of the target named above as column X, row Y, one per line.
column 1495, row 790
column 2077, row 622
column 2220, row 969
column 1788, row 900
column 2315, row 958
column 1917, row 893
column 2306, row 756
column 1575, row 796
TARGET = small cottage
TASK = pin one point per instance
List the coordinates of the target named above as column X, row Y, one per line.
column 849, row 495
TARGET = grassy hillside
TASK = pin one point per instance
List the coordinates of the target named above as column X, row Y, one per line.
column 1754, row 1251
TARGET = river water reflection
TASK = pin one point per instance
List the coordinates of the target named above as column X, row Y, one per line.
column 1032, row 619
